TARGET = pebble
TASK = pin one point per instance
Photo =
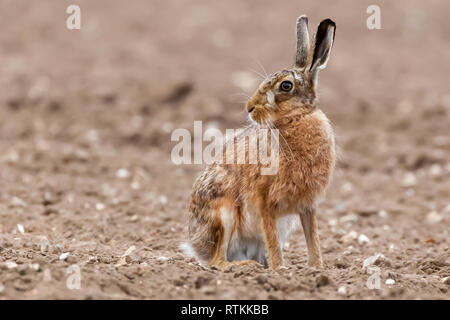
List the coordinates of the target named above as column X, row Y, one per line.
column 332, row 222
column 433, row 217
column 35, row 266
column 435, row 170
column 163, row 200
column 16, row 201
column 10, row 264
column 409, row 180
column 390, row 282
column 99, row 206
column 21, row 228
column 122, row 173
column 382, row 214
column 342, row 290
column 43, row 245
column 446, row 280
column 362, row 239
column 64, row 256
column 349, row 237
column 162, row 258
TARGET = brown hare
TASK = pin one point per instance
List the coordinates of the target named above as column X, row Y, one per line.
column 238, row 215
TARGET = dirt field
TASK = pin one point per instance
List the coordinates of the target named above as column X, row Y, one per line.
column 85, row 122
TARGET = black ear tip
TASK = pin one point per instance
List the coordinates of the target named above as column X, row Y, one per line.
column 303, row 17
column 328, row 22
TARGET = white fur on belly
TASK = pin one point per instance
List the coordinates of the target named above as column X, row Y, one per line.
column 250, row 246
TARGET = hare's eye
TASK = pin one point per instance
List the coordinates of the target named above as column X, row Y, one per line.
column 286, row 86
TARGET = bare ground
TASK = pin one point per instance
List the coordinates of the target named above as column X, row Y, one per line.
column 85, row 123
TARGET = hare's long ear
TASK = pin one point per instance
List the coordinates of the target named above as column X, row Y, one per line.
column 301, row 55
column 322, row 47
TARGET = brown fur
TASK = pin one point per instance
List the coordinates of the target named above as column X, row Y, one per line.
column 306, row 162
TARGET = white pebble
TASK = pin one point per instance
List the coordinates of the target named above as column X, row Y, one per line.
column 332, row 222
column 64, row 256
column 435, row 170
column 391, row 247
column 163, row 199
column 347, row 187
column 99, row 206
column 349, row 237
column 16, row 201
column 409, row 180
column 123, row 173
column 10, row 264
column 21, row 228
column 362, row 239
column 390, row 282
column 162, row 258
column 35, row 266
column 342, row 290
column 433, row 217
column 382, row 213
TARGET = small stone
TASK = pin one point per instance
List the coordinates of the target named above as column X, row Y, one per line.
column 43, row 245
column 347, row 187
column 382, row 214
column 163, row 200
column 409, row 180
column 349, row 237
column 433, row 217
column 10, row 264
column 35, row 266
column 64, row 256
column 21, row 228
column 435, row 170
column 342, row 290
column 99, row 206
column 122, row 173
column 333, row 222
column 446, row 280
column 162, row 258
column 362, row 239
column 17, row 202
column 390, row 282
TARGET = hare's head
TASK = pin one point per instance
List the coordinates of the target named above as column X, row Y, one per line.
column 294, row 88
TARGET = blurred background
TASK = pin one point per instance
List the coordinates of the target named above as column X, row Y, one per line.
column 85, row 123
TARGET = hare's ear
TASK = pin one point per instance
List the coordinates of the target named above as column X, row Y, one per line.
column 322, row 47
column 301, row 55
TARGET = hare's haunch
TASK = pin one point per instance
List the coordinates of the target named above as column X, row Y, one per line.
column 238, row 215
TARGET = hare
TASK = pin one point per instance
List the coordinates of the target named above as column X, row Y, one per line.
column 239, row 216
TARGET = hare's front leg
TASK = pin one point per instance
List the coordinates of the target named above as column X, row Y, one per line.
column 269, row 228
column 310, row 228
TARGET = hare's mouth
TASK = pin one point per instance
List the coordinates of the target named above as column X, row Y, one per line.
column 258, row 115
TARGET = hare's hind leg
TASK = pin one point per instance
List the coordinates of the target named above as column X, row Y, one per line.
column 224, row 236
column 310, row 228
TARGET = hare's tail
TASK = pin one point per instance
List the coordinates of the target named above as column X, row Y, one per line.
column 188, row 250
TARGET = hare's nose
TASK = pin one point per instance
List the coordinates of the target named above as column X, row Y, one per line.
column 251, row 109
